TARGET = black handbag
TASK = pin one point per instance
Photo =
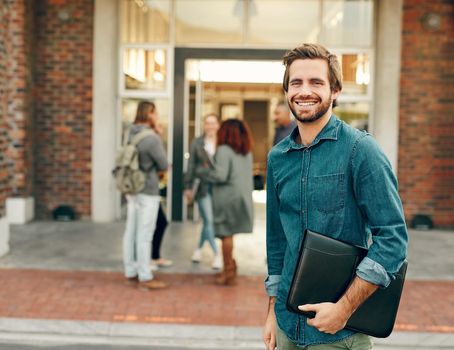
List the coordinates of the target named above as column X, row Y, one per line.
column 323, row 273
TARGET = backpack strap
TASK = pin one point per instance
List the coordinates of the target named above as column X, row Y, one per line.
column 140, row 136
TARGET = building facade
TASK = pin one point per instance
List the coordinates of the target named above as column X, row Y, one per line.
column 71, row 73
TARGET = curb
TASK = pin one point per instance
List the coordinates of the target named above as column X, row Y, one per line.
column 115, row 333
column 18, row 330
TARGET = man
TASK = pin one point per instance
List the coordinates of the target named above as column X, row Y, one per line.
column 284, row 122
column 333, row 179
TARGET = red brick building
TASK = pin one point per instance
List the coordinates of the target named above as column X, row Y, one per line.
column 426, row 124
column 59, row 86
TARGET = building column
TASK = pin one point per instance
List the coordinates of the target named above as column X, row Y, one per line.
column 385, row 125
column 104, row 136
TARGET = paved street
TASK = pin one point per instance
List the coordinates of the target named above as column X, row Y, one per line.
column 62, row 283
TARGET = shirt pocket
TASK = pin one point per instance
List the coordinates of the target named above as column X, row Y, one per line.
column 328, row 192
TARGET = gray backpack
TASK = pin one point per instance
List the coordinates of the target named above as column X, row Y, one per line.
column 128, row 177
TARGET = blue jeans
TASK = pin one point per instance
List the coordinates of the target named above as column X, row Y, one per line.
column 140, row 225
column 206, row 211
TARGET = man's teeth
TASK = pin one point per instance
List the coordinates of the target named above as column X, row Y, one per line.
column 306, row 103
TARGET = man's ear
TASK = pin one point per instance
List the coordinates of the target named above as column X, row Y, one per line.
column 335, row 94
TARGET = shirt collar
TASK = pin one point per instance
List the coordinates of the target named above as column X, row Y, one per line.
column 329, row 132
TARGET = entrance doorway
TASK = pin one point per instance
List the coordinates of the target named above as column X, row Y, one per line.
column 251, row 92
column 207, row 80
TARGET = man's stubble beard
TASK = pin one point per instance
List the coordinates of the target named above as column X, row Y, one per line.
column 324, row 107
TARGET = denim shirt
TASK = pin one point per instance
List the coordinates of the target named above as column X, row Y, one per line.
column 341, row 185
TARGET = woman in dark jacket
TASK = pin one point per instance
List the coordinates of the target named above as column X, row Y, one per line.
column 231, row 176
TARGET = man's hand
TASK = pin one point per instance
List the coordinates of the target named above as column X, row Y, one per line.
column 269, row 330
column 332, row 317
column 329, row 317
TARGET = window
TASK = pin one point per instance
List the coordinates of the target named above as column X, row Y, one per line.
column 355, row 101
column 215, row 21
column 279, row 23
column 356, row 73
column 145, row 21
column 284, row 23
column 144, row 69
column 347, row 23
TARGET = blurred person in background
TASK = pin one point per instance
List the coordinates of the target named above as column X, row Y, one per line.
column 161, row 223
column 283, row 121
column 142, row 208
column 231, row 176
column 202, row 153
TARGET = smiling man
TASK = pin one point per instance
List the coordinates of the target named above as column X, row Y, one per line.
column 333, row 179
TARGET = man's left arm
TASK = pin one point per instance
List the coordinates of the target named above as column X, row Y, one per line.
column 375, row 189
column 376, row 192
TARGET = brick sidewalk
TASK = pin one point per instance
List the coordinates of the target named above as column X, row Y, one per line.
column 426, row 306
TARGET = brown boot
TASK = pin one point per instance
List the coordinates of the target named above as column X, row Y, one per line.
column 228, row 276
column 222, row 273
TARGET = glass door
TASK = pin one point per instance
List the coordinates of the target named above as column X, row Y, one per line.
column 193, row 114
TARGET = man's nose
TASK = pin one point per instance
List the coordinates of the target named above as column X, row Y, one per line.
column 305, row 90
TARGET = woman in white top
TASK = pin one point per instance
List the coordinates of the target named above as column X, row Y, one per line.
column 202, row 151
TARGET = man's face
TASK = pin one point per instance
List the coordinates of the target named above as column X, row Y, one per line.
column 281, row 116
column 309, row 95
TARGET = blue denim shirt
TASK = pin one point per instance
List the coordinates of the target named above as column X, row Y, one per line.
column 341, row 185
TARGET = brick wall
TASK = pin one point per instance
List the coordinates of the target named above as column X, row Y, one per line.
column 426, row 142
column 4, row 137
column 64, row 41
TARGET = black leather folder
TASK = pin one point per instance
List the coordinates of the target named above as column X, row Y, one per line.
column 323, row 273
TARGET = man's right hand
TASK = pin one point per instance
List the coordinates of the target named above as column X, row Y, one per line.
column 269, row 330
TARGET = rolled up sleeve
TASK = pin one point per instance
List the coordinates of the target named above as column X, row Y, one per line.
column 373, row 272
column 272, row 284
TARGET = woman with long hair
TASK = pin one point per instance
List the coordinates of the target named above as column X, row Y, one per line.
column 143, row 206
column 231, row 176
